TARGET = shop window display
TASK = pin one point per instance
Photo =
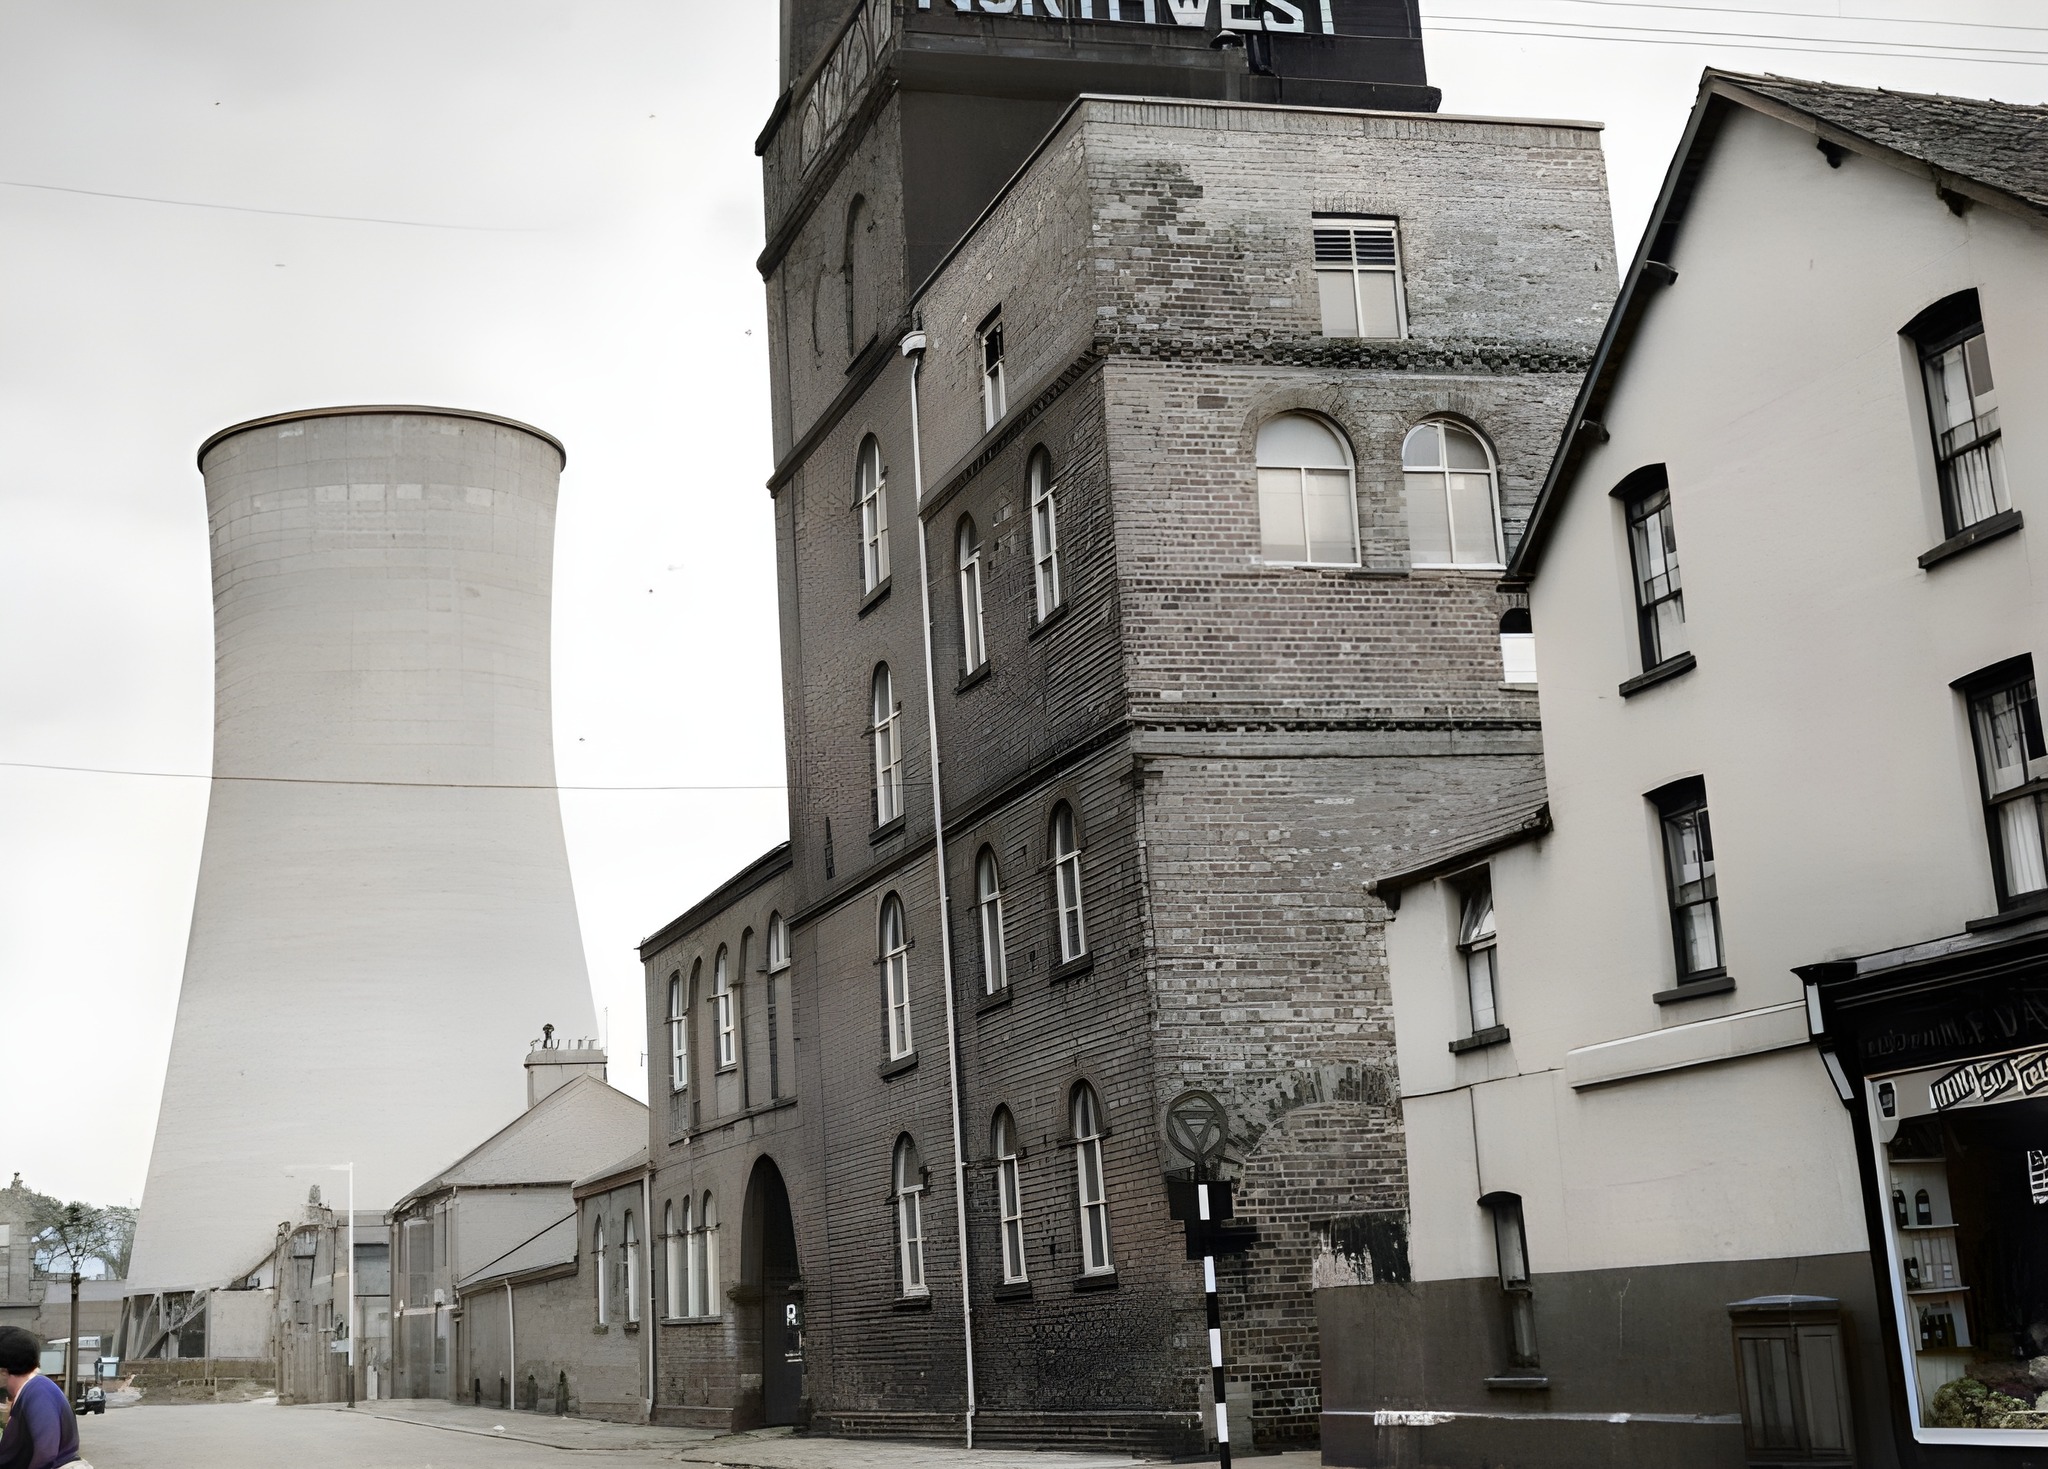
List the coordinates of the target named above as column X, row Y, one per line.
column 1963, row 1150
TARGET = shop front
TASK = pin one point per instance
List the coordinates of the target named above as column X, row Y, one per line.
column 1940, row 1051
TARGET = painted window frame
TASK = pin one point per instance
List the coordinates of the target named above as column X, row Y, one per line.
column 973, row 628
column 1437, row 482
column 1069, row 916
column 871, row 503
column 678, row 1033
column 2003, row 708
column 1954, row 353
column 778, row 943
column 1478, row 949
column 600, row 1260
column 724, row 1013
column 1091, row 1188
column 885, row 729
column 995, row 393
column 1286, row 491
column 893, row 940
column 1685, row 832
column 675, row 1288
column 1009, row 1195
column 1347, row 250
column 988, row 914
column 629, row 1265
column 1511, row 1259
column 1655, row 579
column 1047, row 575
column 907, row 1184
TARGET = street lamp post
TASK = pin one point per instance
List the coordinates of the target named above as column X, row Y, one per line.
column 351, row 1316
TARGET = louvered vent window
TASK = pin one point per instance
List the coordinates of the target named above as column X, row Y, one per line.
column 1358, row 275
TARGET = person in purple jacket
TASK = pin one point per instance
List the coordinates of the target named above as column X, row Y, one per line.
column 41, row 1432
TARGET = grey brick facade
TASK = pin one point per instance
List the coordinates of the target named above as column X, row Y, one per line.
column 1240, row 744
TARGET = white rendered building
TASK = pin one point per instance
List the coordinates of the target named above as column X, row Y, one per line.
column 384, row 910
column 1725, row 1070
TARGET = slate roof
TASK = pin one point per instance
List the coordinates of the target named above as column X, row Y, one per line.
column 1521, row 811
column 553, row 1246
column 2001, row 144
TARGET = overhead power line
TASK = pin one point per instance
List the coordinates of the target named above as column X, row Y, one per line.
column 313, row 780
column 418, row 224
column 1904, row 48
column 1735, row 39
column 1756, row 14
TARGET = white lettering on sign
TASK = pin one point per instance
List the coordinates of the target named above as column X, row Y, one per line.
column 789, row 1315
column 1286, row 16
column 1979, row 1082
column 2037, row 1174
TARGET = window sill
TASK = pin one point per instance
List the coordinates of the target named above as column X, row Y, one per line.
column 1479, row 1040
column 1669, row 669
column 2004, row 523
column 969, row 680
column 921, row 1302
column 875, row 598
column 632, row 1328
column 1072, row 969
column 890, row 1070
column 2031, row 906
column 1714, row 982
column 1015, row 1290
column 1000, row 1000
column 1051, row 619
column 1519, row 1382
column 692, row 1320
column 893, row 827
column 727, row 1069
column 1101, row 1280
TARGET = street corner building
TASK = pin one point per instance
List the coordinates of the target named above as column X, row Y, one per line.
column 1154, row 408
column 1724, row 1057
column 384, row 907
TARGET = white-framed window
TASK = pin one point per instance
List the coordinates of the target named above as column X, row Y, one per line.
column 885, row 727
column 601, row 1260
column 1045, row 533
column 1517, row 649
column 1308, row 503
column 1476, row 942
column 707, row 1255
column 1645, row 496
column 689, row 1256
column 1690, row 876
column 995, row 398
column 1090, row 1193
column 895, row 945
column 1066, row 876
column 1009, row 1194
column 1358, row 276
column 907, row 1188
column 678, row 1034
column 1453, row 497
column 778, row 943
column 629, row 1265
column 722, row 1009
column 973, row 640
column 988, row 911
column 871, row 495
column 2012, row 763
column 675, row 1292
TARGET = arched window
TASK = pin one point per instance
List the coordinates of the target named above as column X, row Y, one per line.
column 722, row 1009
column 1066, row 877
column 1045, row 533
column 895, row 947
column 1962, row 409
column 1453, row 496
column 1308, row 505
column 1090, row 1194
column 678, row 1035
column 778, row 943
column 988, row 908
column 1009, row 1193
column 1511, row 1252
column 690, row 1292
column 886, row 728
column 599, row 1261
column 908, row 1188
column 1477, row 940
column 674, row 1288
column 871, row 495
column 708, row 1233
column 973, row 645
column 1517, row 648
column 629, row 1266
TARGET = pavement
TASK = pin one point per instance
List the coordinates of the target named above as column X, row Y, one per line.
column 425, row 1434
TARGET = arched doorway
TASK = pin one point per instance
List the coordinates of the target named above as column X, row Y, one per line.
column 772, row 1277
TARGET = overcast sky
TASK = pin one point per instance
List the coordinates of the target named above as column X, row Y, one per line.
column 544, row 210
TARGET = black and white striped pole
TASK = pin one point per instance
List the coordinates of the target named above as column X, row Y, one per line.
column 1216, row 1380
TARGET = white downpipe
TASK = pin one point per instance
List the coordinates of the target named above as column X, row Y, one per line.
column 511, row 1349
column 912, row 347
column 647, row 1277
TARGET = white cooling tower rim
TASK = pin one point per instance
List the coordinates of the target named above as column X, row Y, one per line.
column 374, row 410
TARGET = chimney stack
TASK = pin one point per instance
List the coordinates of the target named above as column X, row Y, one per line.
column 551, row 1065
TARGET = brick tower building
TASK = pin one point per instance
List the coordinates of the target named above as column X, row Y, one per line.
column 1156, row 399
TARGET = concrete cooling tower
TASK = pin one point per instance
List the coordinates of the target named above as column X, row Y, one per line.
column 384, row 918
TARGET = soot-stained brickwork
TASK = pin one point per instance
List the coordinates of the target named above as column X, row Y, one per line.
column 1235, row 745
